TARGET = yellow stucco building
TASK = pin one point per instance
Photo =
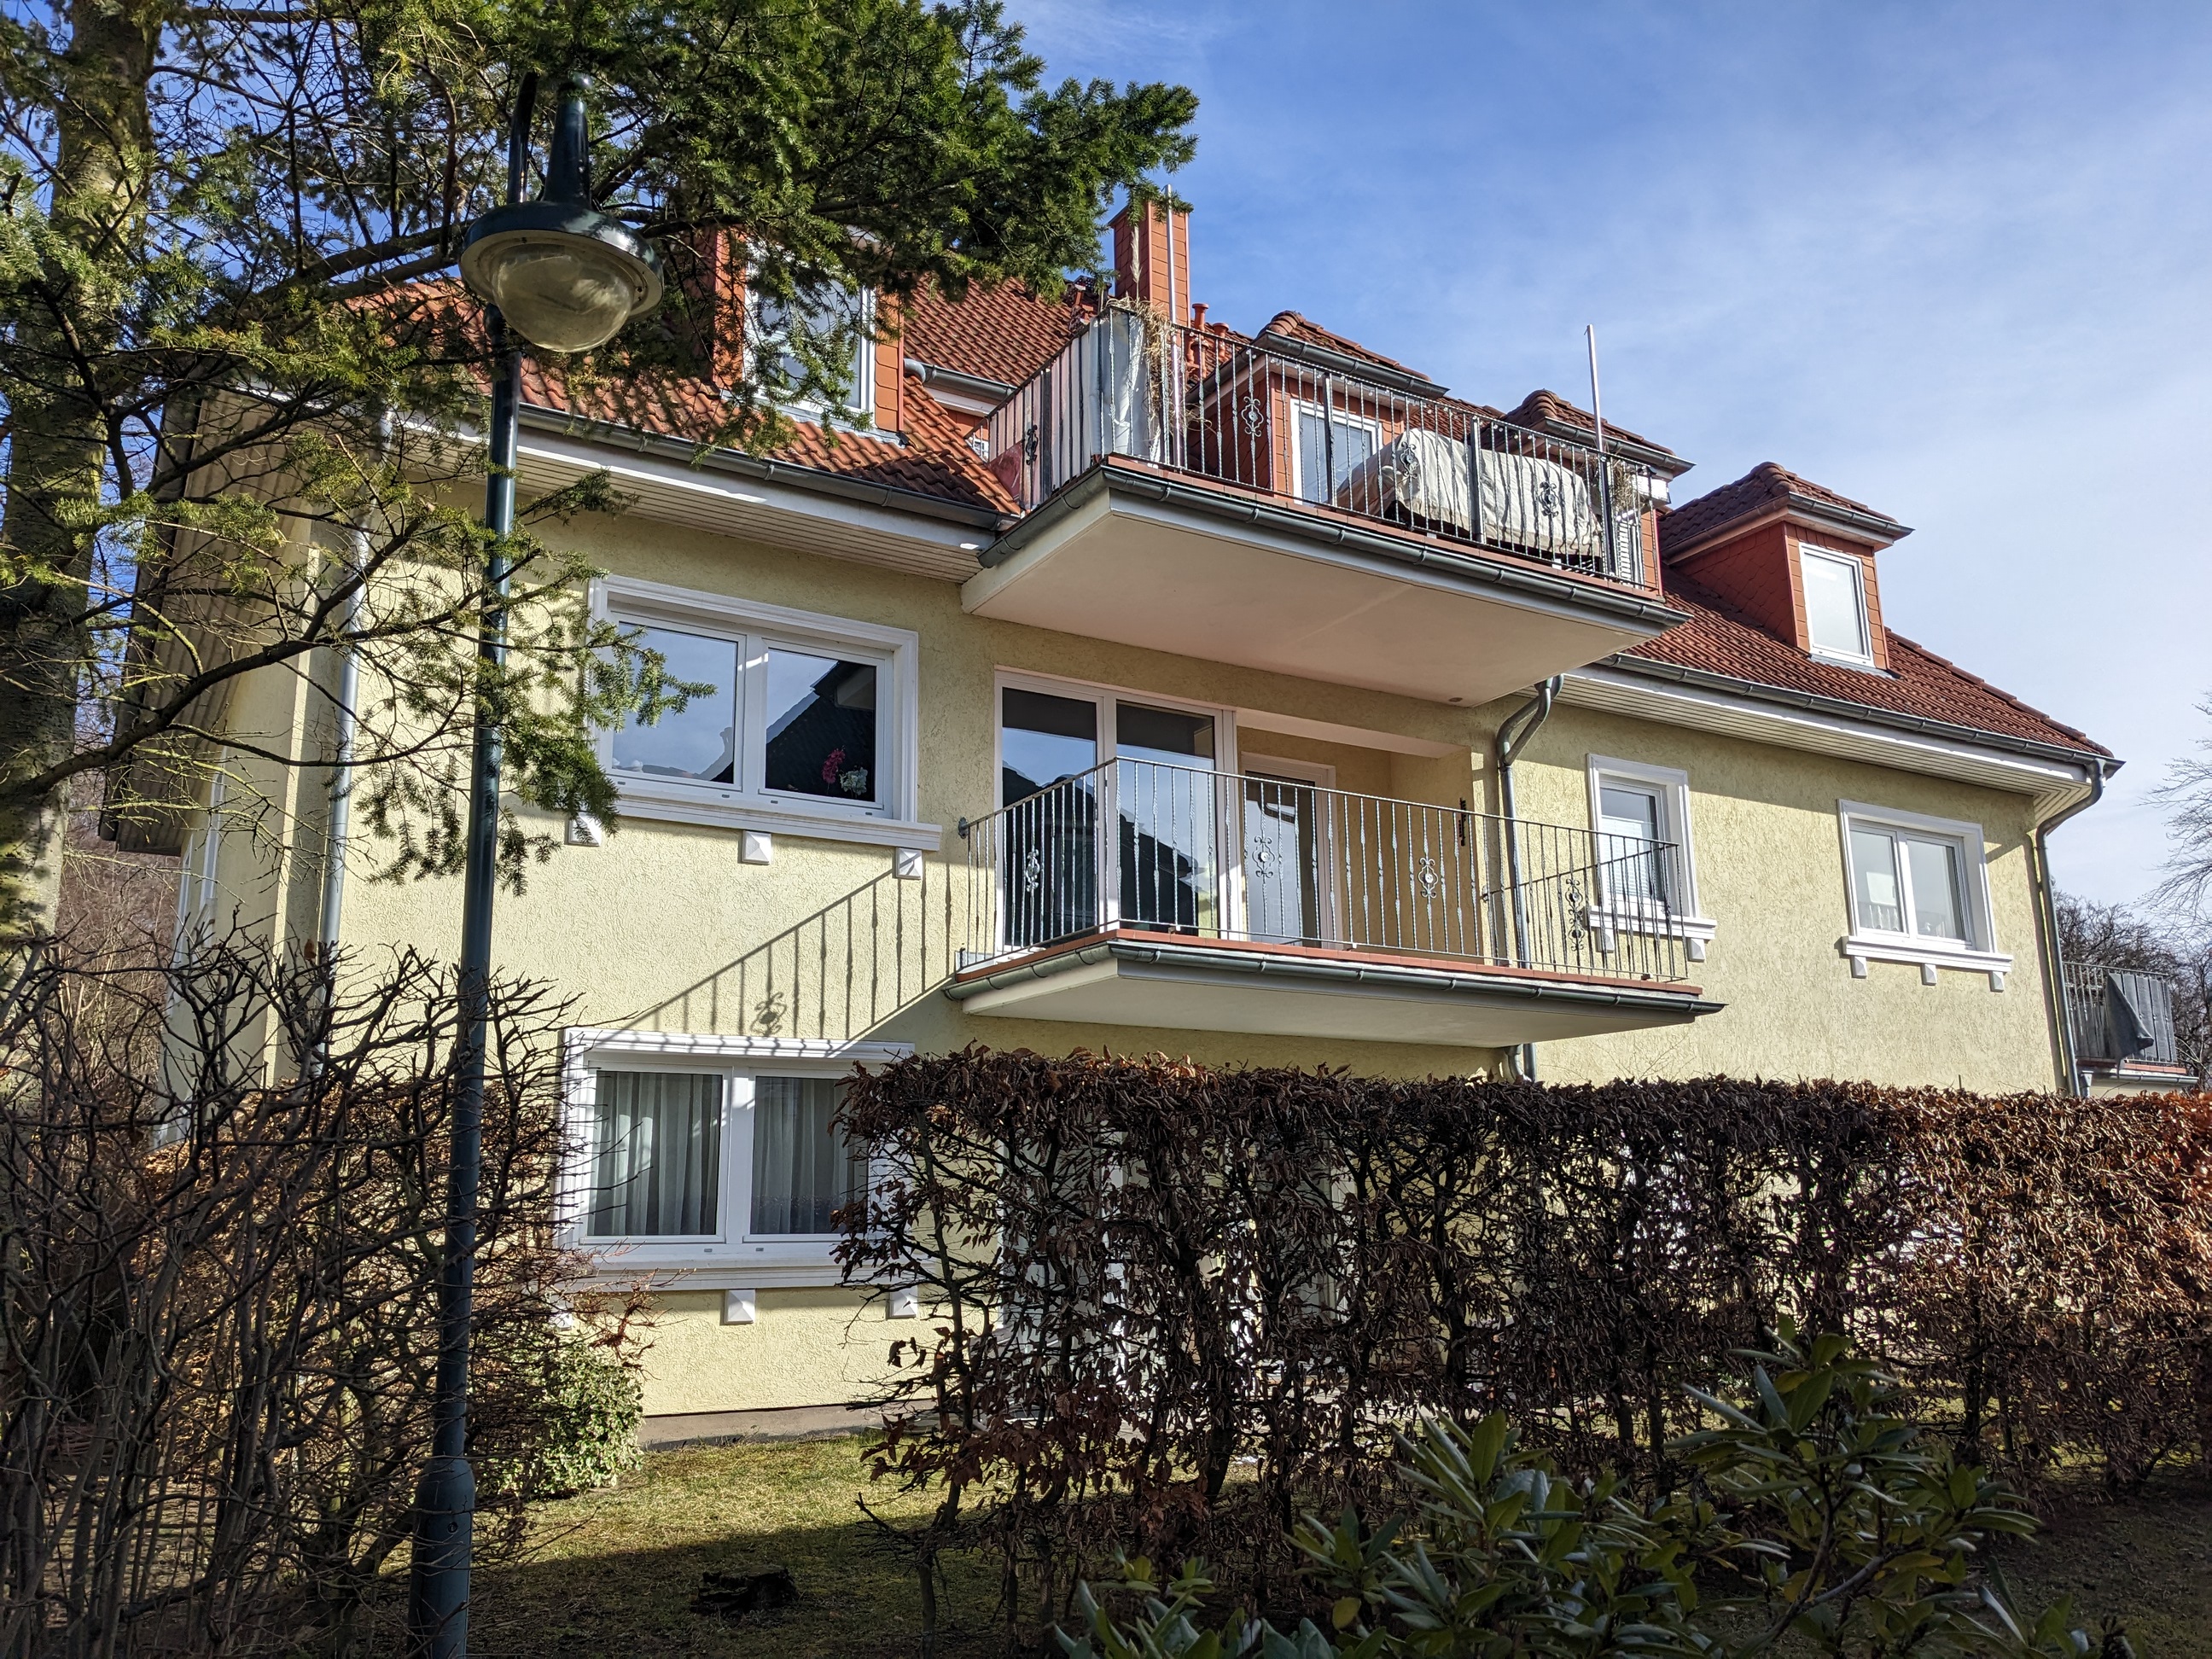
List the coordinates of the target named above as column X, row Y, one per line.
column 1138, row 685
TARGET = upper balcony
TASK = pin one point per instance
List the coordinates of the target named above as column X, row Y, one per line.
column 1277, row 507
column 1146, row 894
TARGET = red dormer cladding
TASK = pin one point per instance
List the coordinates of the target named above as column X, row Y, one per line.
column 1790, row 554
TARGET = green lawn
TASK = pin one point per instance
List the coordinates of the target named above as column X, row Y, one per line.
column 613, row 1572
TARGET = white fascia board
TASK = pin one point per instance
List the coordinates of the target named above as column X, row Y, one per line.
column 755, row 508
column 2052, row 783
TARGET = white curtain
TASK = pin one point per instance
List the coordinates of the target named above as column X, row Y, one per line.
column 802, row 1173
column 657, row 1173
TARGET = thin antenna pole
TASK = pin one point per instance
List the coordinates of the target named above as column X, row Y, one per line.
column 1597, row 408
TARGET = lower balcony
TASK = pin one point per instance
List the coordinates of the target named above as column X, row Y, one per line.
column 2122, row 1023
column 1145, row 894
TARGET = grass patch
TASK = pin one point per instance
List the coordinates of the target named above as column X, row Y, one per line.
column 614, row 1572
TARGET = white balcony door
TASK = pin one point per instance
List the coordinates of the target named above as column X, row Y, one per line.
column 1287, row 869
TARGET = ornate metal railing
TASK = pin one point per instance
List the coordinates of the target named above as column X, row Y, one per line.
column 1144, row 845
column 1238, row 413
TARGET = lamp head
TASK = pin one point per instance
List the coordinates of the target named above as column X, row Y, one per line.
column 564, row 276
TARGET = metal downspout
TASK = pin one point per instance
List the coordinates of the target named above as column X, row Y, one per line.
column 1513, row 735
column 2046, row 897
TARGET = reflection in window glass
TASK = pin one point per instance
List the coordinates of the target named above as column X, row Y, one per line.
column 803, row 1172
column 822, row 726
column 1938, row 907
column 1628, row 829
column 823, row 313
column 1041, row 739
column 1834, row 615
column 1164, row 734
column 657, row 1171
column 1342, row 447
column 1873, row 868
column 699, row 740
column 1169, row 814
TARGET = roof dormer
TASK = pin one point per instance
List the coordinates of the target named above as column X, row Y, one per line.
column 1795, row 557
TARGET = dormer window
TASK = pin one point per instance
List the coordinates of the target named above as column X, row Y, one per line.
column 1835, row 606
column 825, row 313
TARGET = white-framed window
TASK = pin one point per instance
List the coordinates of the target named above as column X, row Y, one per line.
column 1917, row 891
column 1836, row 620
column 716, row 1157
column 824, row 313
column 1330, row 443
column 809, row 724
column 1648, row 879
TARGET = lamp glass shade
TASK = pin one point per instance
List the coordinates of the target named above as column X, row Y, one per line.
column 561, row 291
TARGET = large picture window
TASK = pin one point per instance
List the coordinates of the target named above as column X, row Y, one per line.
column 793, row 716
column 657, row 1163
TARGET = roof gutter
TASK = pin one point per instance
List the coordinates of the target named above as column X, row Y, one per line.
column 735, row 463
column 993, row 392
column 1842, row 709
column 1617, row 603
column 1883, row 530
column 1266, row 965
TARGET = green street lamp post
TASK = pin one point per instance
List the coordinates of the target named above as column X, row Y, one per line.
column 561, row 278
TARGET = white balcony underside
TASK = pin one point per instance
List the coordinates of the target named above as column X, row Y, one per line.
column 1216, row 986
column 1161, row 576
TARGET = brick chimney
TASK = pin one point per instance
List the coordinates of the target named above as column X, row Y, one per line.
column 1151, row 258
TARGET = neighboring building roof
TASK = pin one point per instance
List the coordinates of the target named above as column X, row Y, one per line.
column 1768, row 488
column 1541, row 409
column 1005, row 334
column 1291, row 325
column 1720, row 639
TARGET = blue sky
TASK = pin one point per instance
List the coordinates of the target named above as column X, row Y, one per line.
column 1953, row 261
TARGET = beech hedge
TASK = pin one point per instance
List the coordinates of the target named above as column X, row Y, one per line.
column 1172, row 1308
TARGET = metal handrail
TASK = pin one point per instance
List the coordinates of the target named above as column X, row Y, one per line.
column 1221, row 408
column 1245, row 857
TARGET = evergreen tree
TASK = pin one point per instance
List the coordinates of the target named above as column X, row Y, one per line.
column 240, row 387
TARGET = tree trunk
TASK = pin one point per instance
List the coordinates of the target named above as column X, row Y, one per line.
column 58, row 454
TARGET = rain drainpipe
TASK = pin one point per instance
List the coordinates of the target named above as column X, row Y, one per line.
column 2047, row 901
column 1513, row 735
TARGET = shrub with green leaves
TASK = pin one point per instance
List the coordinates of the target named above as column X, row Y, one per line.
column 1819, row 1521
column 587, row 1425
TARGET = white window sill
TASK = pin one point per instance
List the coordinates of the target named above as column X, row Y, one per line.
column 732, row 809
column 688, row 1268
column 1696, row 932
column 1930, row 956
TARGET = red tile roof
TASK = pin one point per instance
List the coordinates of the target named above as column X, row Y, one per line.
column 1007, row 335
column 1721, row 639
column 1541, row 409
column 932, row 456
column 1004, row 334
column 1764, row 488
